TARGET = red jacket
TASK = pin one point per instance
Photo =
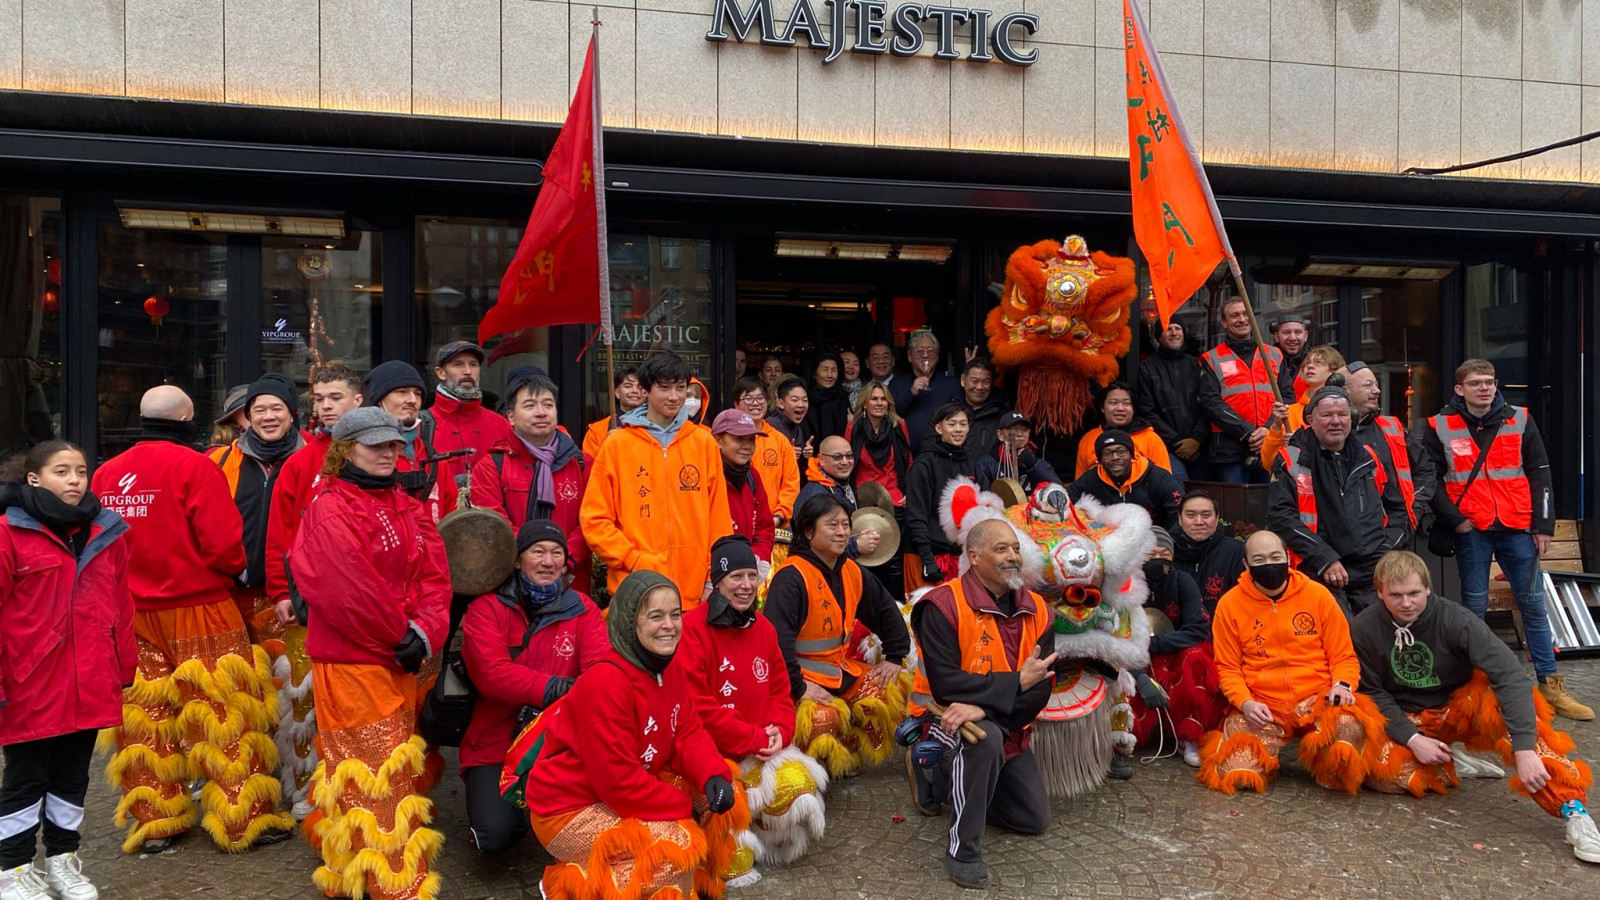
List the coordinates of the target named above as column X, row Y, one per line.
column 440, row 498
column 291, row 494
column 569, row 635
column 458, row 425
column 738, row 679
column 369, row 563
column 67, row 646
column 505, row 487
column 611, row 738
column 752, row 514
column 185, row 537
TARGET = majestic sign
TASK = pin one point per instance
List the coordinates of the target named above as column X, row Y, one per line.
column 876, row 31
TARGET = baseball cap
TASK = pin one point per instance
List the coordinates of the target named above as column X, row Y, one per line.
column 1011, row 418
column 734, row 422
column 456, row 348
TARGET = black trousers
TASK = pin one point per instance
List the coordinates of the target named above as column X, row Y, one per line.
column 983, row 788
column 496, row 825
column 44, row 780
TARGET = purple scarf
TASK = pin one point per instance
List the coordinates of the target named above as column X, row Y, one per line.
column 544, row 482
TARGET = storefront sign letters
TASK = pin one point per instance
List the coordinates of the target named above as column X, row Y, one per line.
column 876, row 30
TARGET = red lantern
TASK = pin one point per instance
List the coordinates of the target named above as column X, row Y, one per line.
column 52, row 301
column 52, row 271
column 156, row 308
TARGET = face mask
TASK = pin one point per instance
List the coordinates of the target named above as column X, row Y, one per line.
column 1156, row 571
column 1270, row 576
column 693, row 406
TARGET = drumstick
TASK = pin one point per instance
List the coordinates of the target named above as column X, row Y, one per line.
column 969, row 732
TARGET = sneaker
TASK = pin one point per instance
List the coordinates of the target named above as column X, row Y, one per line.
column 24, row 883
column 303, row 808
column 970, row 875
column 1561, row 700
column 1581, row 834
column 64, row 874
column 1119, row 768
column 1191, row 753
column 273, row 836
column 921, row 790
column 1473, row 767
column 161, row 844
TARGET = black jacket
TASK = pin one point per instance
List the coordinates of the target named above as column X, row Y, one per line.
column 1177, row 597
column 1230, row 444
column 1290, row 371
column 985, row 421
column 1155, row 490
column 930, row 472
column 1215, row 564
column 1169, row 396
column 788, row 603
column 1031, row 470
column 1351, row 511
column 1535, row 462
column 1423, row 477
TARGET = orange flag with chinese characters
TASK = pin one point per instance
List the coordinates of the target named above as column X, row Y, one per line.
column 556, row 276
column 1175, row 217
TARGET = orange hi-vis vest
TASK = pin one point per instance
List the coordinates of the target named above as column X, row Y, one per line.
column 1395, row 437
column 825, row 634
column 228, row 458
column 1246, row 389
column 1306, row 497
column 982, row 650
column 1501, row 490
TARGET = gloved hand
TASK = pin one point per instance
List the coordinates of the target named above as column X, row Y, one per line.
column 1150, row 693
column 411, row 652
column 554, row 688
column 719, row 794
column 931, row 571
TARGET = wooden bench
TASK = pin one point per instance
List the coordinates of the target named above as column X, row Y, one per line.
column 1565, row 555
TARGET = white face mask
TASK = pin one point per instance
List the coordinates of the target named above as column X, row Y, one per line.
column 693, row 406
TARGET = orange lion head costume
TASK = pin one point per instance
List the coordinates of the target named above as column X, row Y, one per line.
column 1062, row 321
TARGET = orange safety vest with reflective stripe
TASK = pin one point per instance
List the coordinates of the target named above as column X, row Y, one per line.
column 1305, row 496
column 982, row 650
column 1501, row 490
column 1395, row 437
column 228, row 458
column 1246, row 389
column 825, row 634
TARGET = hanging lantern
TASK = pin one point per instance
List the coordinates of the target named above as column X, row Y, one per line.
column 156, row 308
column 52, row 301
column 52, row 271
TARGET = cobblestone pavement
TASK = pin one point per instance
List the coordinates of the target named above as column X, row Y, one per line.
column 1158, row 836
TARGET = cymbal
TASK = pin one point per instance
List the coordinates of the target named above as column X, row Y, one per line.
column 871, row 518
column 871, row 493
column 1009, row 490
column 1159, row 623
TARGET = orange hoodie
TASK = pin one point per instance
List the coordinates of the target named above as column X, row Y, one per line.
column 1146, row 443
column 1281, row 651
column 775, row 465
column 658, row 509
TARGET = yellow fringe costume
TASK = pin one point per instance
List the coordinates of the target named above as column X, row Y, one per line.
column 201, row 706
column 854, row 729
column 784, row 794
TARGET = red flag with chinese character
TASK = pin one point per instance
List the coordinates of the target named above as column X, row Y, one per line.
column 557, row 275
column 1175, row 217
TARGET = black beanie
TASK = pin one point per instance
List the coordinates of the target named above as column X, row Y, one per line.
column 730, row 554
column 1326, row 392
column 389, row 377
column 273, row 384
column 1112, row 437
column 535, row 530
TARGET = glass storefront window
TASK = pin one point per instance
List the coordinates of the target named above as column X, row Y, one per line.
column 1497, row 325
column 320, row 304
column 30, row 320
column 1315, row 303
column 460, row 263
column 654, row 307
column 1400, row 339
column 161, row 300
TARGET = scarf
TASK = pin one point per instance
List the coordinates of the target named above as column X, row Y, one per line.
column 270, row 453
column 365, row 480
column 170, row 430
column 736, row 475
column 540, row 596
column 69, row 521
column 882, row 444
column 721, row 613
column 409, row 447
column 544, row 482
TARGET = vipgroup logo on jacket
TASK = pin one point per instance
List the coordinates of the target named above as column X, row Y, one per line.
column 126, row 502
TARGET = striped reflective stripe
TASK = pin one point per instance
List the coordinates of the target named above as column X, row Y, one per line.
column 1392, row 430
column 920, row 700
column 820, row 668
column 820, row 645
column 1447, row 432
column 1497, row 474
column 1305, row 499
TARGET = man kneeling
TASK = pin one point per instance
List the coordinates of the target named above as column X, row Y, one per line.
column 985, row 646
column 1285, row 664
column 1440, row 676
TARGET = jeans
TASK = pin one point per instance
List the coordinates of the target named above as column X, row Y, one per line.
column 1239, row 473
column 1519, row 559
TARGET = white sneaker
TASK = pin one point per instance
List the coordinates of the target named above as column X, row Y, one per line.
column 64, row 874
column 1581, row 834
column 1473, row 767
column 1191, row 754
column 303, row 808
column 23, row 883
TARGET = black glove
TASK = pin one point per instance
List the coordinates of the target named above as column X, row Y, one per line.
column 411, row 652
column 554, row 688
column 719, row 794
column 931, row 571
column 1150, row 693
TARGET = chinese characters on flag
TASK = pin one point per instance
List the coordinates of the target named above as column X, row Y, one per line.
column 1175, row 217
column 559, row 274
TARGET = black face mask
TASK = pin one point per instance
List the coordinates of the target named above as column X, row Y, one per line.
column 1156, row 571
column 1270, row 576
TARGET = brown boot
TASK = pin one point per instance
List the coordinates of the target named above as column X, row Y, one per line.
column 1561, row 700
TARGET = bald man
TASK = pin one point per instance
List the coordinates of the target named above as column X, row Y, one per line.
column 187, row 544
column 998, row 682
column 832, row 471
column 1404, row 456
column 1287, row 668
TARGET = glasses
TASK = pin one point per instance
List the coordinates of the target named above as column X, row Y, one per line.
column 752, row 399
column 838, row 457
column 1480, row 383
column 1116, row 453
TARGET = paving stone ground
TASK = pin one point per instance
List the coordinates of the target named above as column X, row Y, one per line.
column 1158, row 836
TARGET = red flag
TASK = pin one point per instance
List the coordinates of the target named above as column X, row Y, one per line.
column 560, row 274
column 1175, row 217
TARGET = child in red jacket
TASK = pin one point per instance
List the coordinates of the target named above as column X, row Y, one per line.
column 65, row 653
column 739, row 681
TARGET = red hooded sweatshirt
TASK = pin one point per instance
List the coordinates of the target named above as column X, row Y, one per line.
column 369, row 563
column 185, row 537
column 291, row 494
column 611, row 738
column 505, row 488
column 738, row 677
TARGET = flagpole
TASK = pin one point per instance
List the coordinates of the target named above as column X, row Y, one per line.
column 600, row 210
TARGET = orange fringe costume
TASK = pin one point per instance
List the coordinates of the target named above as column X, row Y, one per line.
column 201, row 706
column 856, row 728
column 371, row 786
column 1472, row 717
column 1334, row 746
